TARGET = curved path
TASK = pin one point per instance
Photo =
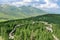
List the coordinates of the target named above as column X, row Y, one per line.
column 48, row 27
column 11, row 34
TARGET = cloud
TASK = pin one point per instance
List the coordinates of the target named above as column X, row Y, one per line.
column 20, row 3
column 17, row 3
column 48, row 4
column 27, row 0
column 36, row 0
column 34, row 3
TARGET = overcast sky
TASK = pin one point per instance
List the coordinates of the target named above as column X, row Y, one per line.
column 49, row 5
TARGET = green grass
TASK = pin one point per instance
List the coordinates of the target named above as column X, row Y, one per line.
column 8, row 12
column 30, row 31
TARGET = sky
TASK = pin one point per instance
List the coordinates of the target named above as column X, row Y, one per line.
column 47, row 5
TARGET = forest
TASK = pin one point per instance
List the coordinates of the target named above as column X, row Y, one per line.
column 33, row 28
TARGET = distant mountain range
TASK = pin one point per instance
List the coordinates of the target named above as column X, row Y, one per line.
column 8, row 12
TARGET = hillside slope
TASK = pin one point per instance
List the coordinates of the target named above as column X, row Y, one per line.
column 45, row 27
column 8, row 12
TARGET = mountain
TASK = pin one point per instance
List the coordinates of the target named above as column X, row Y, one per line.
column 8, row 12
column 43, row 27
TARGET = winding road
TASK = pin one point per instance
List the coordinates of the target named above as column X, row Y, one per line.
column 11, row 34
column 48, row 27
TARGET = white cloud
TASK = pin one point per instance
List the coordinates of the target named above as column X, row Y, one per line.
column 47, row 1
column 35, row 0
column 17, row 4
column 24, row 2
column 27, row 0
column 49, row 4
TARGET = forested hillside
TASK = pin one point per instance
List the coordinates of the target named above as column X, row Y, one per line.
column 45, row 27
